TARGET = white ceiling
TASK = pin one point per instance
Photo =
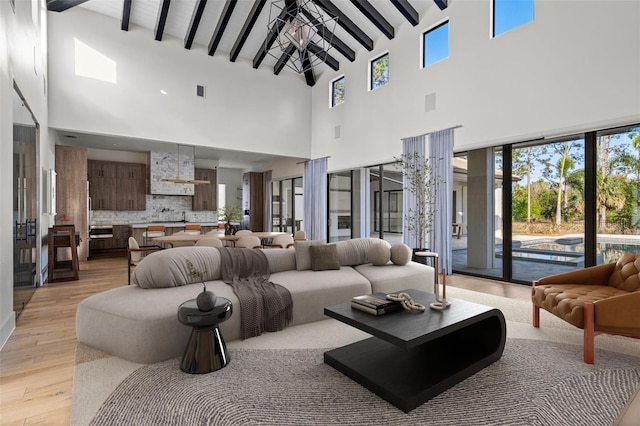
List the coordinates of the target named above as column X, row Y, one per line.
column 144, row 14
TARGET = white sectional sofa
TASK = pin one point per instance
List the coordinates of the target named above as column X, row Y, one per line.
column 139, row 322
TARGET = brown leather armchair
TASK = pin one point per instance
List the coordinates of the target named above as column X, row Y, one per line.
column 599, row 299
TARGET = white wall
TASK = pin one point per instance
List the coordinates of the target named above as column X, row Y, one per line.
column 244, row 108
column 576, row 67
column 23, row 60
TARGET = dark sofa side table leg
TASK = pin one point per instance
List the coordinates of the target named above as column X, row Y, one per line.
column 206, row 351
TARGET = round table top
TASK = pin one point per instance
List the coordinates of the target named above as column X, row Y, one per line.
column 189, row 314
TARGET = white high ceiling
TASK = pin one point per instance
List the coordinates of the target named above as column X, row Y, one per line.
column 144, row 14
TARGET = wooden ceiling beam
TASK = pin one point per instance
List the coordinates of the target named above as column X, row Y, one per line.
column 126, row 15
column 442, row 4
column 407, row 11
column 225, row 16
column 62, row 5
column 163, row 12
column 309, row 77
column 271, row 38
column 198, row 10
column 258, row 5
column 282, row 61
column 331, row 38
column 346, row 23
column 324, row 56
column 375, row 17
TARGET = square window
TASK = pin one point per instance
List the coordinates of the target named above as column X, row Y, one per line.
column 509, row 14
column 435, row 44
column 379, row 71
column 337, row 91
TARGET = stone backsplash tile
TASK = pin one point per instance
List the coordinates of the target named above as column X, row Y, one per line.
column 160, row 208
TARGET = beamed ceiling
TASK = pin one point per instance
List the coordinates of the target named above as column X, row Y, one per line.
column 239, row 29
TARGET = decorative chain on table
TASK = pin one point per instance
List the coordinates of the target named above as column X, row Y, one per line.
column 407, row 302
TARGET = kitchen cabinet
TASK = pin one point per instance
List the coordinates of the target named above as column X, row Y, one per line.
column 132, row 182
column 205, row 194
column 121, row 234
column 117, row 186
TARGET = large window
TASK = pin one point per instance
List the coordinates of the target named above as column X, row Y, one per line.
column 435, row 44
column 617, row 183
column 509, row 14
column 548, row 214
column 379, row 71
column 337, row 91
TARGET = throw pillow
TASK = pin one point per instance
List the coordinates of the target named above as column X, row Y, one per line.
column 379, row 254
column 400, row 254
column 303, row 255
column 324, row 257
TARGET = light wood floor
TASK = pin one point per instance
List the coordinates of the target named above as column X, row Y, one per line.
column 36, row 364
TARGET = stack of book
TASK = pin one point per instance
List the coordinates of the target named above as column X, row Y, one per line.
column 375, row 304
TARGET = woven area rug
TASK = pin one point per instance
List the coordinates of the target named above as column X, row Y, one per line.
column 280, row 378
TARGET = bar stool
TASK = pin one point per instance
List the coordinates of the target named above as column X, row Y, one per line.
column 153, row 231
column 193, row 228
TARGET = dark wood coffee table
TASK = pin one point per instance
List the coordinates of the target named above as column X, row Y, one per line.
column 415, row 356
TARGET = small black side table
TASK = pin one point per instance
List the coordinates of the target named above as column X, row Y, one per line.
column 206, row 350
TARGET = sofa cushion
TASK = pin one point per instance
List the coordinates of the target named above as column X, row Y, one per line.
column 281, row 259
column 355, row 252
column 400, row 254
column 303, row 254
column 393, row 278
column 312, row 291
column 379, row 254
column 626, row 273
column 168, row 268
column 324, row 257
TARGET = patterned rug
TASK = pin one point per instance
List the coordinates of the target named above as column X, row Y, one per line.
column 540, row 380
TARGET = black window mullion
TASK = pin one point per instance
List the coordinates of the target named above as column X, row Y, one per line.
column 507, row 215
column 590, row 225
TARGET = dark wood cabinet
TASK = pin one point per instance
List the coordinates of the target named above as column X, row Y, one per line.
column 205, row 195
column 121, row 234
column 117, row 186
column 253, row 183
column 132, row 181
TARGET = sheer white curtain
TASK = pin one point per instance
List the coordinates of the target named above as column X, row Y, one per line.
column 440, row 146
column 315, row 199
column 436, row 147
column 410, row 145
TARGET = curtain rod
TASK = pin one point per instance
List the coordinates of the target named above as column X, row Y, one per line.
column 423, row 134
column 319, row 158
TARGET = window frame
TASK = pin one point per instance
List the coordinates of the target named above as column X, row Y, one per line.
column 332, row 91
column 370, row 87
column 492, row 26
column 424, row 33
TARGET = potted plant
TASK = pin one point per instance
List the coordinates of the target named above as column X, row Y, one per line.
column 228, row 213
column 421, row 183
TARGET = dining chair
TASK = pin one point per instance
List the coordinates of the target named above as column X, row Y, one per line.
column 135, row 254
column 249, row 241
column 209, row 242
column 153, row 231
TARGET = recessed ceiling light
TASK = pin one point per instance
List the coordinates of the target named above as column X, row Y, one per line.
column 163, row 91
column 116, row 144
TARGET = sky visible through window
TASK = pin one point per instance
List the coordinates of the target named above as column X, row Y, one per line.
column 436, row 44
column 509, row 14
column 337, row 92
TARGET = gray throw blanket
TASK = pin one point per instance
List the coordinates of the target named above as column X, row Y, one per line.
column 264, row 306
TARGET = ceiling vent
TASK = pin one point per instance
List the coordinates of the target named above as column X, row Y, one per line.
column 200, row 91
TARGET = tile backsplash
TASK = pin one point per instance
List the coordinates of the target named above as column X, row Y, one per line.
column 160, row 208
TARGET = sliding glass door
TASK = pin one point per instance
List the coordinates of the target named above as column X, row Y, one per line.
column 340, row 206
column 618, row 172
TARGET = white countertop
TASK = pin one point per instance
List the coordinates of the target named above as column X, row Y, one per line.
column 173, row 224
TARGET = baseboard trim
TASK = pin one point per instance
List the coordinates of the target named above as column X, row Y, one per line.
column 7, row 329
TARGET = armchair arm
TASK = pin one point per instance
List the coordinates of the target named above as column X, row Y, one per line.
column 594, row 275
column 619, row 311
